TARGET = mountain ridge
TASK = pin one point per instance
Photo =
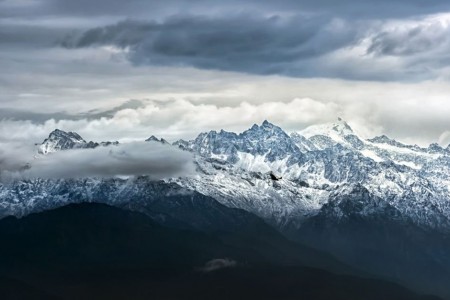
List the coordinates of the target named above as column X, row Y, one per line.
column 380, row 180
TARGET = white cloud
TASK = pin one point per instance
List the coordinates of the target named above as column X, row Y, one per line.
column 156, row 160
column 416, row 113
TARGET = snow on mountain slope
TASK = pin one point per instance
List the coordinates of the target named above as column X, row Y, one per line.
column 329, row 159
column 61, row 140
column 265, row 140
column 275, row 201
column 317, row 166
column 325, row 135
column 380, row 148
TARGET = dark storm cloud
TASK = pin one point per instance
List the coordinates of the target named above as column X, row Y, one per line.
column 272, row 45
column 355, row 9
column 411, row 40
column 242, row 36
column 379, row 9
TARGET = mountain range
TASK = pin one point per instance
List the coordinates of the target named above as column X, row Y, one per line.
column 377, row 205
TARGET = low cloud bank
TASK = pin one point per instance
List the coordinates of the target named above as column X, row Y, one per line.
column 140, row 158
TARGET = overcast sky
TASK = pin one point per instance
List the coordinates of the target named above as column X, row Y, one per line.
column 125, row 70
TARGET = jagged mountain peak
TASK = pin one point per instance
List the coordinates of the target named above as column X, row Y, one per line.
column 269, row 140
column 264, row 124
column 435, row 148
column 383, row 139
column 155, row 139
column 152, row 138
column 267, row 124
column 58, row 133
column 61, row 140
column 266, row 128
column 266, row 140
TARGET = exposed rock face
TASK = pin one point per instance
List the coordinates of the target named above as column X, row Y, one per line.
column 61, row 140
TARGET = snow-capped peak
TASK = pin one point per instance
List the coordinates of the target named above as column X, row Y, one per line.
column 60, row 134
column 267, row 124
column 435, row 148
column 266, row 130
column 328, row 134
column 61, row 140
column 383, row 139
column 336, row 130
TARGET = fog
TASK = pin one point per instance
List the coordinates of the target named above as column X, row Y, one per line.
column 138, row 158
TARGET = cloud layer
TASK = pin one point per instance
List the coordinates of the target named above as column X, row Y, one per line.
column 410, row 112
column 141, row 158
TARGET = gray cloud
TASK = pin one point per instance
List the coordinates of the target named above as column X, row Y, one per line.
column 238, row 43
column 140, row 158
column 358, row 9
column 404, row 40
column 307, row 39
column 420, row 47
column 368, row 8
column 29, row 36
column 21, row 114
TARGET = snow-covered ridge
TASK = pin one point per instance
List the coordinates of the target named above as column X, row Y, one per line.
column 316, row 166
